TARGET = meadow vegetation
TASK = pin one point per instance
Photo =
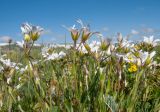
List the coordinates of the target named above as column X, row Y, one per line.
column 101, row 76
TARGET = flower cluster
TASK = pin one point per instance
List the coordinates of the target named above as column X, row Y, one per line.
column 31, row 32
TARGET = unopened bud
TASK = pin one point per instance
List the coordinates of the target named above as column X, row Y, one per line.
column 74, row 34
column 85, row 35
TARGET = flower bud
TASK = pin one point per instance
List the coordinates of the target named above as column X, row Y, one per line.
column 35, row 36
column 27, row 38
column 85, row 35
column 74, row 34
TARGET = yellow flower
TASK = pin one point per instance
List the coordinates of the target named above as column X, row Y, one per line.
column 27, row 38
column 132, row 68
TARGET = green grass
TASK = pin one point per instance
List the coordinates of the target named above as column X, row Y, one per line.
column 77, row 83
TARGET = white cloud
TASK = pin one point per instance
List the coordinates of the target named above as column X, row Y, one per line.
column 5, row 38
column 134, row 32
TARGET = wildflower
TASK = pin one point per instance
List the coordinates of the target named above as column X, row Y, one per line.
column 132, row 68
column 94, row 45
column 31, row 32
column 149, row 58
column 20, row 44
column 8, row 63
column 127, row 44
column 74, row 33
column 22, row 70
column 86, row 33
column 150, row 40
column 137, row 47
column 82, row 49
column 27, row 38
column 104, row 45
column 139, row 57
column 91, row 47
column 54, row 56
column 45, row 51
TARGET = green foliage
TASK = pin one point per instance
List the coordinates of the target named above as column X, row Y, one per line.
column 79, row 83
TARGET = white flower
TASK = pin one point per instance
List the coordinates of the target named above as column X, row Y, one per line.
column 94, row 45
column 31, row 32
column 20, row 44
column 27, row 28
column 127, row 44
column 150, row 40
column 8, row 63
column 22, row 70
column 140, row 60
column 45, row 50
column 145, row 56
column 129, row 57
column 54, row 56
column 86, row 33
column 110, row 49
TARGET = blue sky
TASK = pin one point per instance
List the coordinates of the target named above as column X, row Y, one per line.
column 106, row 16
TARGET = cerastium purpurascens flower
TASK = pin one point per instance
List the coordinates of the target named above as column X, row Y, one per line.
column 75, row 33
column 31, row 34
